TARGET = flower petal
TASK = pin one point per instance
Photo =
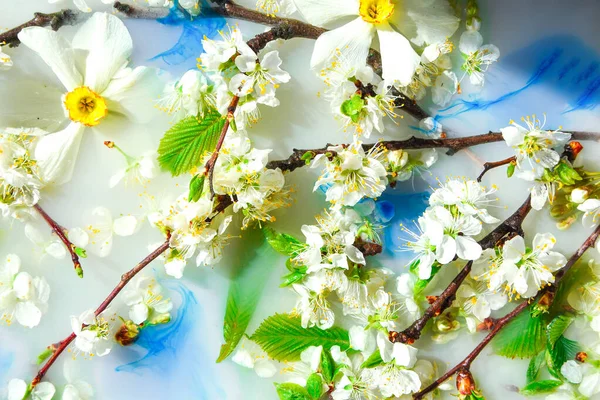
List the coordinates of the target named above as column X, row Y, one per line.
column 125, row 226
column 399, row 60
column 319, row 12
column 28, row 314
column 426, row 21
column 56, row 154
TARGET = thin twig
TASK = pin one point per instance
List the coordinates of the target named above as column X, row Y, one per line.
column 495, row 164
column 512, row 225
column 125, row 278
column 54, row 20
column 501, row 322
column 61, row 233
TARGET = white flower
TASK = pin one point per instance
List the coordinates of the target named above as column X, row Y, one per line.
column 313, row 308
column 146, row 302
column 94, row 334
column 310, row 359
column 526, row 270
column 476, row 299
column 405, row 284
column 351, row 175
column 591, row 208
column 139, row 170
column 21, row 296
column 103, row 86
column 98, row 234
column 395, row 380
column 445, row 87
column 585, row 298
column 190, row 96
column 487, row 268
column 478, row 57
column 401, row 354
column 542, row 192
column 217, row 52
column 48, row 243
column 534, row 147
column 469, row 196
column 579, row 196
column 75, row 389
column 259, row 76
column 457, row 240
column 421, row 23
column 586, row 376
column 250, row 355
column 193, row 7
column 427, row 244
column 5, row 61
column 17, row 389
column 273, row 7
column 355, row 382
column 363, row 340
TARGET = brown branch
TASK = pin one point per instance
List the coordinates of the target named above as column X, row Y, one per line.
column 511, row 226
column 125, row 278
column 465, row 364
column 53, row 20
column 61, row 233
column 495, row 164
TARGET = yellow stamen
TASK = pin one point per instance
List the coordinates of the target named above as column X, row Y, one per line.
column 376, row 11
column 85, row 106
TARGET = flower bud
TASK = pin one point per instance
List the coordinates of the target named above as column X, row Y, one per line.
column 581, row 356
column 465, row 382
column 128, row 333
column 579, row 195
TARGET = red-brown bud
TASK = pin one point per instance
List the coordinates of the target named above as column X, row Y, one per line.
column 581, row 356
column 465, row 382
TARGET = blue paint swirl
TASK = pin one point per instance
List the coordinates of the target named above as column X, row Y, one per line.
column 174, row 355
column 189, row 46
column 557, row 75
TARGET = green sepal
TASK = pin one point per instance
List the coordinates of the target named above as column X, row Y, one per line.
column 80, row 252
column 352, row 107
column 566, row 174
column 510, row 170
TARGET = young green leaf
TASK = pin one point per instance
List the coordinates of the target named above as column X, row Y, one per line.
column 535, row 365
column 535, row 388
column 282, row 242
column 185, row 143
column 556, row 328
column 314, row 386
column 291, row 391
column 327, row 366
column 564, row 349
column 243, row 296
column 523, row 337
column 283, row 337
column 373, row 361
column 196, row 187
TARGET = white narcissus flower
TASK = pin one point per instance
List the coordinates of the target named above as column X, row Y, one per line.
column 250, row 355
column 351, row 175
column 420, row 22
column 102, row 87
column 21, row 296
column 98, row 234
column 94, row 334
column 17, row 389
column 527, row 270
column 5, row 61
column 534, row 147
column 146, row 302
column 591, row 208
column 478, row 57
column 444, row 89
column 475, row 298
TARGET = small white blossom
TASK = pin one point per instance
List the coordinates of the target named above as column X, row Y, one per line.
column 276, row 7
column 5, row 61
column 18, row 388
column 75, row 389
column 313, row 308
column 250, row 355
column 47, row 242
column 139, row 170
column 94, row 334
column 21, row 296
column 477, row 300
column 591, row 209
column 97, row 235
column 445, row 87
column 469, row 196
column 478, row 57
column 191, row 96
column 146, row 302
column 310, row 360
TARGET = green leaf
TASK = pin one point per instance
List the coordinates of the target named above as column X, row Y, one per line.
column 244, row 293
column 283, row 337
column 185, row 144
column 291, row 391
column 80, row 252
column 556, row 328
column 535, row 366
column 564, row 350
column 196, row 187
column 373, row 361
column 327, row 366
column 510, row 170
column 282, row 242
column 523, row 337
column 293, row 277
column 535, row 388
column 44, row 355
column 314, row 386
column 352, row 107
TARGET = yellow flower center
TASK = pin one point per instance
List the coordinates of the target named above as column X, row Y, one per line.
column 85, row 106
column 376, row 11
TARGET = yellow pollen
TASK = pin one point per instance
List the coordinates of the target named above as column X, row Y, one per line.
column 376, row 11
column 85, row 106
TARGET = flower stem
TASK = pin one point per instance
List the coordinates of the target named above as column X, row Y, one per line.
column 54, row 20
column 125, row 278
column 60, row 232
column 510, row 226
column 500, row 323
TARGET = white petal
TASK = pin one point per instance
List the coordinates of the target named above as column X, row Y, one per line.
column 138, row 313
column 109, row 46
column 56, row 249
column 22, row 285
column 318, row 12
column 125, row 226
column 56, row 153
column 399, row 60
column 43, row 391
column 404, row 355
column 56, row 52
column 467, row 248
column 16, row 389
column 28, row 314
column 512, row 135
column 572, row 371
column 426, row 21
column 353, row 40
column 78, row 237
column 470, row 42
column 265, row 368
